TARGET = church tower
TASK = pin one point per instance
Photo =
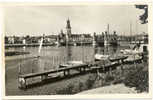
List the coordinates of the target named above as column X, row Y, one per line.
column 68, row 28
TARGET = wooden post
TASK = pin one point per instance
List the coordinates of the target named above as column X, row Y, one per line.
column 121, row 65
column 58, row 60
column 135, row 62
column 64, row 59
column 142, row 58
column 121, row 69
column 53, row 60
column 104, row 69
column 64, row 73
column 110, row 70
column 22, row 83
column 44, row 77
column 80, row 69
column 98, row 74
column 68, row 72
column 19, row 70
column 84, row 68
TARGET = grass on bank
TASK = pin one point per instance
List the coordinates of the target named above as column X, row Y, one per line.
column 132, row 76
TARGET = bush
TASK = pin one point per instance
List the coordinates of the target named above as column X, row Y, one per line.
column 67, row 90
column 80, row 86
column 90, row 81
column 138, row 79
column 109, row 78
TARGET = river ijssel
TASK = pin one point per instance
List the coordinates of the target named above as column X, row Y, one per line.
column 50, row 58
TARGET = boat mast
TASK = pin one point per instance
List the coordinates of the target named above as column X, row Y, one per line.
column 130, row 32
column 40, row 46
column 67, row 59
column 136, row 30
column 108, row 34
column 82, row 37
column 108, row 28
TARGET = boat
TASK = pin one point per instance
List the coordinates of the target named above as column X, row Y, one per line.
column 75, row 44
column 136, row 53
column 75, row 62
column 137, row 49
column 129, row 51
column 99, row 57
column 71, row 63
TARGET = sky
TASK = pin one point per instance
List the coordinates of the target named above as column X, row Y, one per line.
column 39, row 20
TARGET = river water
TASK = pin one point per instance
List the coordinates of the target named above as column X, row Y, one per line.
column 50, row 58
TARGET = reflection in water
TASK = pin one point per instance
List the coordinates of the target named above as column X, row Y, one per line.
column 51, row 57
column 40, row 64
column 69, row 53
column 107, row 50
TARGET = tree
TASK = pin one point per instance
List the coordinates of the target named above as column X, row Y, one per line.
column 144, row 16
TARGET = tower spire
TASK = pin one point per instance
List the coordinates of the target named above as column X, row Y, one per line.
column 68, row 24
column 68, row 28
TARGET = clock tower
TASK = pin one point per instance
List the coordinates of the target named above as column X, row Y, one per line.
column 68, row 29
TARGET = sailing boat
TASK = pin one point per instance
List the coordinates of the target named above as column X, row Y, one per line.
column 74, row 62
column 40, row 46
column 106, row 37
column 133, row 50
column 103, row 56
column 70, row 62
column 99, row 57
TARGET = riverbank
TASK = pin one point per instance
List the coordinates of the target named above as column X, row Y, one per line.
column 134, row 79
column 127, row 79
column 29, row 45
column 118, row 88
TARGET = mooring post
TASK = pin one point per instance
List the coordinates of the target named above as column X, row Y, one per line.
column 80, row 69
column 84, row 69
column 121, row 64
column 64, row 73
column 19, row 69
column 21, row 83
column 53, row 60
column 135, row 61
column 68, row 72
column 44, row 77
column 110, row 70
column 142, row 58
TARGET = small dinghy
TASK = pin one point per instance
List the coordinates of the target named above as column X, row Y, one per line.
column 70, row 64
column 137, row 49
column 99, row 57
column 75, row 62
column 129, row 51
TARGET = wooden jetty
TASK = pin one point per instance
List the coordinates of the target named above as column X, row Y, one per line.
column 44, row 75
column 65, row 70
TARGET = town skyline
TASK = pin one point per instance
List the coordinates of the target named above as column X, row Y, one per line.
column 37, row 20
